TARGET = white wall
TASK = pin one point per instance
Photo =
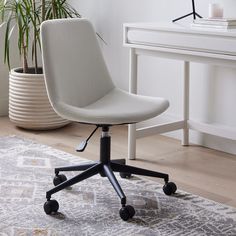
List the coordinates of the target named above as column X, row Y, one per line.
column 4, row 70
column 213, row 89
column 3, row 79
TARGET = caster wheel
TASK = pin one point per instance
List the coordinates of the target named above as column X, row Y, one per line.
column 131, row 211
column 51, row 206
column 127, row 212
column 169, row 188
column 124, row 175
column 58, row 179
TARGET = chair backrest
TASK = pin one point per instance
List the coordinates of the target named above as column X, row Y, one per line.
column 74, row 67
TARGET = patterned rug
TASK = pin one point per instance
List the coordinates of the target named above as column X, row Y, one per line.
column 91, row 207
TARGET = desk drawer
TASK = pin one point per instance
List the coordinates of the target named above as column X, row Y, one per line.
column 193, row 41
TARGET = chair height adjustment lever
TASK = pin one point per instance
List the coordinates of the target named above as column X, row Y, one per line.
column 81, row 147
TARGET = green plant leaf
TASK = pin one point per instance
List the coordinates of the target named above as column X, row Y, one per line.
column 27, row 16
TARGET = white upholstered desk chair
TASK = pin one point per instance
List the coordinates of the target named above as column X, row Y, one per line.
column 80, row 89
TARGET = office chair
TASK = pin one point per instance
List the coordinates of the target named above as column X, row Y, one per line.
column 80, row 89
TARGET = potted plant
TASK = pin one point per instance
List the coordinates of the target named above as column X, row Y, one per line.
column 29, row 106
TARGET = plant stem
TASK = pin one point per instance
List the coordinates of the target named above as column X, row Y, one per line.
column 53, row 9
column 25, row 52
column 35, row 42
column 43, row 10
column 25, row 63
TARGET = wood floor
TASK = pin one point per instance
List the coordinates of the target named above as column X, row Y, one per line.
column 202, row 171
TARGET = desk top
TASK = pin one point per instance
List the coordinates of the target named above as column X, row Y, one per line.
column 180, row 27
column 172, row 36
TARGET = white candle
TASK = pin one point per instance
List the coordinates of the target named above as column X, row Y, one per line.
column 215, row 10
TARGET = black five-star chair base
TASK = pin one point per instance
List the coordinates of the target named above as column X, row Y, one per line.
column 105, row 167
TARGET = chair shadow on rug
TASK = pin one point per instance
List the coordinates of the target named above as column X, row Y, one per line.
column 80, row 89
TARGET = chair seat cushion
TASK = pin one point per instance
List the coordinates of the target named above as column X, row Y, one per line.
column 116, row 107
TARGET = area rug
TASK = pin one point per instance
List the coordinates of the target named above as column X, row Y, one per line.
column 92, row 206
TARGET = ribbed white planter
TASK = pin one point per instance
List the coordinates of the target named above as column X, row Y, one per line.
column 29, row 106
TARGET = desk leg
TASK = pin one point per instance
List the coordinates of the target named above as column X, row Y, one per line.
column 132, row 89
column 185, row 140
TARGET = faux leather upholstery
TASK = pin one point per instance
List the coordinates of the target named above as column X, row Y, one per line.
column 78, row 82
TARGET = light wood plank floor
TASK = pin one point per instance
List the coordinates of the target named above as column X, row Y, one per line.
column 202, row 171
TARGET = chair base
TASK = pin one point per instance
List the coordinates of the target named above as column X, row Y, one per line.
column 106, row 168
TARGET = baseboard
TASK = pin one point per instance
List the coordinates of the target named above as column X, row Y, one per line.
column 4, row 106
column 206, row 140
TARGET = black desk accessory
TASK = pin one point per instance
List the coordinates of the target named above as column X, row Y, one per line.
column 194, row 13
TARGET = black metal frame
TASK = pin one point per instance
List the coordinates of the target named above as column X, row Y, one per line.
column 105, row 167
column 194, row 13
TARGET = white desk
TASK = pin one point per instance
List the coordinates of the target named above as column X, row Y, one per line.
column 171, row 40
